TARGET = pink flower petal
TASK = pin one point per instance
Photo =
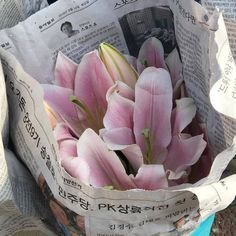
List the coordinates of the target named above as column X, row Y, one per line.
column 134, row 155
column 175, row 66
column 103, row 167
column 151, row 177
column 58, row 98
column 68, row 148
column 151, row 54
column 152, row 110
column 61, row 132
column 91, row 84
column 65, row 71
column 183, row 114
column 123, row 89
column 75, row 167
column 119, row 112
column 67, row 143
column 122, row 139
column 117, row 138
column 184, row 152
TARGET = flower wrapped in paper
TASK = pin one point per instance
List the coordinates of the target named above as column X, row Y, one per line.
column 122, row 137
column 139, row 121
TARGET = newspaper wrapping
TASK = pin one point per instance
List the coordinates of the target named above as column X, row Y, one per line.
column 229, row 14
column 228, row 9
column 18, row 191
column 31, row 50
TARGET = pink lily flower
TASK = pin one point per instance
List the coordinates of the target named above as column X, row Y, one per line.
column 153, row 97
column 98, row 166
column 80, row 94
column 151, row 127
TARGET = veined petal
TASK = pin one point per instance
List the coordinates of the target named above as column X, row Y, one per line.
column 152, row 110
column 122, row 139
column 118, row 138
column 117, row 66
column 183, row 114
column 58, row 98
column 103, row 165
column 151, row 54
column 151, row 177
column 65, row 70
column 184, row 152
column 123, row 89
column 91, row 84
column 134, row 155
column 175, row 66
column 119, row 112
column 77, row 168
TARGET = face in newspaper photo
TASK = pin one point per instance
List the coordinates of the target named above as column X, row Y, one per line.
column 67, row 29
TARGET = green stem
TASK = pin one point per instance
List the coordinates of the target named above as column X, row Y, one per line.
column 147, row 138
column 83, row 107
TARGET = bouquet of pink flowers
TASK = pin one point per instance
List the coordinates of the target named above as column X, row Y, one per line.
column 123, row 122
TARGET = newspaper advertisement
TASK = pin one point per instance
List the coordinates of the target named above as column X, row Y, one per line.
column 35, row 44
